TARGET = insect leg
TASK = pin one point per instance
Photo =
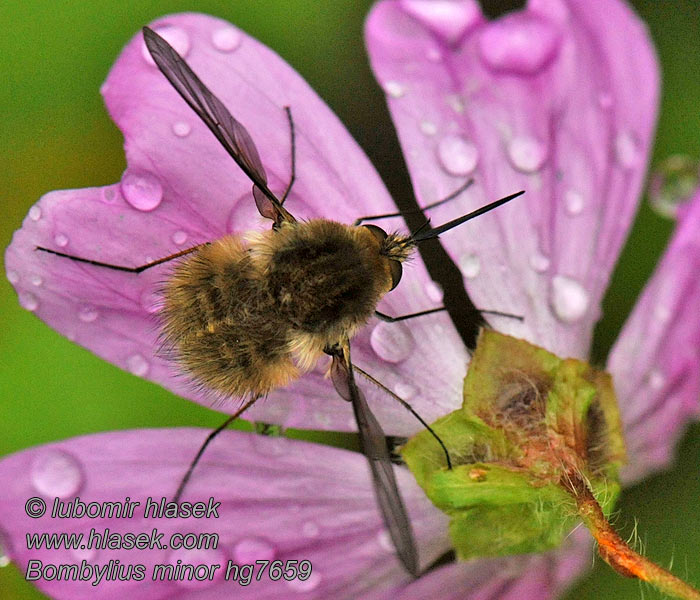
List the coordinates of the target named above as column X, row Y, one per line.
column 294, row 152
column 98, row 263
column 203, row 447
column 452, row 196
column 408, row 407
column 390, row 319
column 373, row 442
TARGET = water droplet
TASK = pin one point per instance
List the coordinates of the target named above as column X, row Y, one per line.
column 428, row 127
column 470, row 265
column 271, row 446
column 248, row 550
column 626, row 150
column 28, row 301
column 151, row 301
column 35, row 213
column 539, row 262
column 448, row 19
column 434, row 291
column 569, row 299
column 4, row 549
column 455, row 102
column 385, row 541
column 656, row 379
column 181, row 129
column 457, row 155
column 405, row 390
column 394, row 89
column 573, row 202
column 307, row 585
column 672, row 184
column 61, row 240
column 12, row 277
column 137, row 365
column 392, row 342
column 310, row 529
column 175, row 36
column 519, row 44
column 36, row 280
column 109, row 195
column 526, row 153
column 226, row 39
column 201, row 560
column 86, row 553
column 56, row 473
column 142, row 190
column 88, row 313
column 179, row 237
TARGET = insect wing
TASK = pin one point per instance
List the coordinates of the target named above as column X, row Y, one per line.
column 373, row 442
column 232, row 135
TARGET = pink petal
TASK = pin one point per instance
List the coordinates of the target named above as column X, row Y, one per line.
column 535, row 577
column 656, row 360
column 280, row 500
column 181, row 189
column 559, row 100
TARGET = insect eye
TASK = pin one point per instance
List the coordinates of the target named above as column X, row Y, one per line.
column 396, row 270
column 378, row 232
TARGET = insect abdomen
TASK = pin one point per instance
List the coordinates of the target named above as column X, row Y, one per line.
column 220, row 325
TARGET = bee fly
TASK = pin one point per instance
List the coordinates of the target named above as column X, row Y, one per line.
column 245, row 316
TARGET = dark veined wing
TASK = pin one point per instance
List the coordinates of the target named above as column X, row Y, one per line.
column 232, row 135
column 373, row 442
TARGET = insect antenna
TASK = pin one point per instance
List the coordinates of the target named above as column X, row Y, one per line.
column 418, row 237
column 207, row 441
column 409, row 408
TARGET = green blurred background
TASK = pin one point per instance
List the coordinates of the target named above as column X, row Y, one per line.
column 55, row 134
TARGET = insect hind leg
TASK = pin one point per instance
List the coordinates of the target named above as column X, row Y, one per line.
column 292, row 140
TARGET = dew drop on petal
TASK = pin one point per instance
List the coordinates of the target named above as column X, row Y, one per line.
column 202, row 577
column 673, row 183
column 455, row 102
column 250, row 549
column 405, row 390
column 88, row 313
column 151, row 301
column 28, row 301
column 271, row 445
column 109, row 195
column 56, row 473
column 662, row 313
column 573, row 202
column 175, row 36
column 35, row 213
column 434, row 291
column 457, row 155
column 626, row 150
column 61, row 240
column 385, row 542
column 226, row 39
column 142, row 190
column 518, row 44
column 85, row 553
column 539, row 262
column 428, row 127
column 656, row 379
column 448, row 19
column 12, row 277
column 179, row 237
column 36, row 280
column 392, row 342
column 526, row 153
column 137, row 365
column 569, row 299
column 181, row 129
column 306, row 585
column 470, row 265
column 310, row 529
column 394, row 89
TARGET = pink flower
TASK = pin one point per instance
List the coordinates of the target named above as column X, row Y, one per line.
column 559, row 99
